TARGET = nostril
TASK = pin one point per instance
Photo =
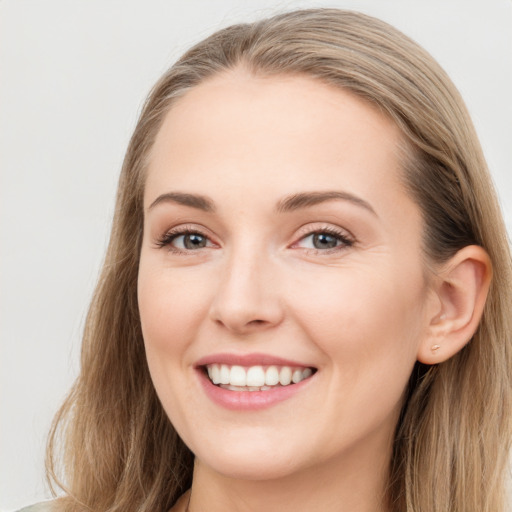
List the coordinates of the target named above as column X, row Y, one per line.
column 243, row 317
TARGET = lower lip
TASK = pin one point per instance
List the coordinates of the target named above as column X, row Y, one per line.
column 249, row 400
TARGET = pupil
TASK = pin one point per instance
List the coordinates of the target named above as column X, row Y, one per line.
column 194, row 241
column 324, row 241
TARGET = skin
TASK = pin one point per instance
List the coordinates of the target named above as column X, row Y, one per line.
column 358, row 313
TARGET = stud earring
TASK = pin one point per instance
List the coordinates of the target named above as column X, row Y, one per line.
column 435, row 348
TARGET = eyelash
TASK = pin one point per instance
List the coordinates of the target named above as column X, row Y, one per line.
column 345, row 240
column 170, row 236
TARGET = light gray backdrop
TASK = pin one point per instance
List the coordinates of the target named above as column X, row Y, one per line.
column 73, row 75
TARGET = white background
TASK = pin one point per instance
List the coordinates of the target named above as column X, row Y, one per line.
column 73, row 75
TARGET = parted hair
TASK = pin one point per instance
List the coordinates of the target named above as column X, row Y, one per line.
column 112, row 447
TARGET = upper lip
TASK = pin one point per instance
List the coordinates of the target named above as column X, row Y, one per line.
column 248, row 360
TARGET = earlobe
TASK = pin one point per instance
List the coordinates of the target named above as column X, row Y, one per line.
column 461, row 288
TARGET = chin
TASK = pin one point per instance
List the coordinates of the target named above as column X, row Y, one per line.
column 248, row 459
column 256, row 467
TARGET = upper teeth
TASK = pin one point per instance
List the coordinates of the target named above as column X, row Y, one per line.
column 256, row 376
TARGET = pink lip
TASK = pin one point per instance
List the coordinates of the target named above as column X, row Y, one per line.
column 248, row 360
column 249, row 400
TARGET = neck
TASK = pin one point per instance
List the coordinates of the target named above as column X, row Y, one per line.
column 356, row 485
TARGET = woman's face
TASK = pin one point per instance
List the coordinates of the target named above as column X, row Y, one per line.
column 280, row 243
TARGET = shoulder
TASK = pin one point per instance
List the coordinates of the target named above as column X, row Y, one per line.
column 44, row 506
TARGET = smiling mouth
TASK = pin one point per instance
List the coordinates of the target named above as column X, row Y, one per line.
column 256, row 378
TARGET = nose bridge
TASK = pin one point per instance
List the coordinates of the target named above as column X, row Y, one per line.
column 247, row 295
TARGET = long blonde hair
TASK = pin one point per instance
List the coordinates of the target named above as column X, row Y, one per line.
column 120, row 452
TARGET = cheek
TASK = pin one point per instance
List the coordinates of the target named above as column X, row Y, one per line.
column 368, row 324
column 171, row 306
column 366, row 305
column 169, row 312
column 169, row 318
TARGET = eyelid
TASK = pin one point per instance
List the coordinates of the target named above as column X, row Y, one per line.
column 167, row 237
column 345, row 236
column 322, row 227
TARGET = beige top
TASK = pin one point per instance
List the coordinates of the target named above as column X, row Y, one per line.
column 46, row 506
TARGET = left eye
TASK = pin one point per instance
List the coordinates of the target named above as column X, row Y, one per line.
column 323, row 241
column 189, row 241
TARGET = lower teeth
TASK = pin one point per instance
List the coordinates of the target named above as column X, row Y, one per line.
column 247, row 388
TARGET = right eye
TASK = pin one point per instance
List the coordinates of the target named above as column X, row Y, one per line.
column 184, row 240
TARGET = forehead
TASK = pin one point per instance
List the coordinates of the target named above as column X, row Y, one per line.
column 279, row 134
column 272, row 112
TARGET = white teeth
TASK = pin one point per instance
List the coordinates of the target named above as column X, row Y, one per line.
column 255, row 378
column 285, row 376
column 272, row 376
column 238, row 376
column 296, row 376
column 245, row 388
column 215, row 374
column 224, row 374
column 307, row 373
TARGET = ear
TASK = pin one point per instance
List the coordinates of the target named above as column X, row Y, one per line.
column 461, row 288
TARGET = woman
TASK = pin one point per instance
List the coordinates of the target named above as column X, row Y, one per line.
column 306, row 298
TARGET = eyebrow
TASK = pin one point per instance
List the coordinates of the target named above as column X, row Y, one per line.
column 193, row 200
column 288, row 204
column 307, row 199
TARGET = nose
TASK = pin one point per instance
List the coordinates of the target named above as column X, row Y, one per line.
column 247, row 298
